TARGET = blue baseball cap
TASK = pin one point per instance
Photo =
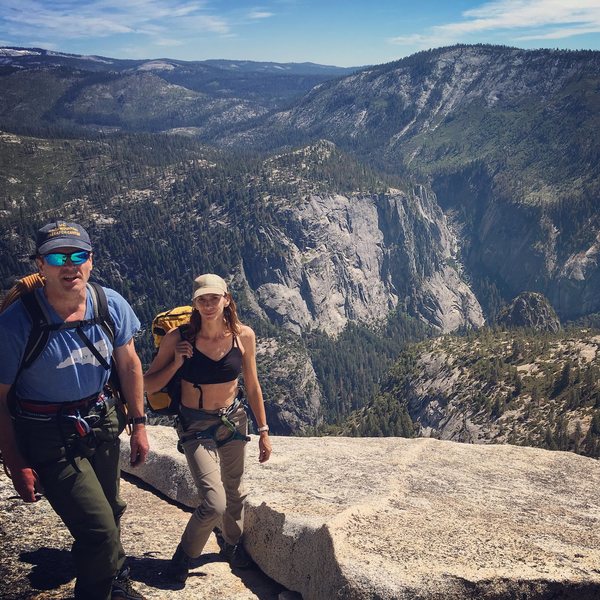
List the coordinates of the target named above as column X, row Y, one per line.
column 62, row 235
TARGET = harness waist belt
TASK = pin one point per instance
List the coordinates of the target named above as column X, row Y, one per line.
column 222, row 420
column 51, row 409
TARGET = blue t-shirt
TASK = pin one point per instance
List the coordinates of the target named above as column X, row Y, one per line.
column 66, row 370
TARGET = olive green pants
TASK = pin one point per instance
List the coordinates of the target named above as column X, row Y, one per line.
column 80, row 477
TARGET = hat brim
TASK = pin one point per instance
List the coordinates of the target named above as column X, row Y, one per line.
column 209, row 290
column 56, row 243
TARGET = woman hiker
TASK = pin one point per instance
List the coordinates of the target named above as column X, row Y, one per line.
column 212, row 351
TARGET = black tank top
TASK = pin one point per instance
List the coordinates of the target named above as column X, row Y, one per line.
column 199, row 369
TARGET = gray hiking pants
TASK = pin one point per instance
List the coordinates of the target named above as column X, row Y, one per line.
column 217, row 472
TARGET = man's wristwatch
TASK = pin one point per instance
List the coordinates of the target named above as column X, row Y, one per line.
column 263, row 428
column 138, row 420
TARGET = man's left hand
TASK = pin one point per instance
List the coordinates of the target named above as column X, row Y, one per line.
column 139, row 446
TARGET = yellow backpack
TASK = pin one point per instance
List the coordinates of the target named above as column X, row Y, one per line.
column 166, row 401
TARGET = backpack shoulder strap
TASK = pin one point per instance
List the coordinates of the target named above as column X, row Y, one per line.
column 184, row 331
column 40, row 330
column 101, row 312
column 101, row 317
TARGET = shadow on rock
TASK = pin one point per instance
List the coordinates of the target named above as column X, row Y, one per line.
column 153, row 571
column 504, row 589
column 51, row 568
column 303, row 557
column 254, row 580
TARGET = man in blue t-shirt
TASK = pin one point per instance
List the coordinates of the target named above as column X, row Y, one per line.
column 60, row 431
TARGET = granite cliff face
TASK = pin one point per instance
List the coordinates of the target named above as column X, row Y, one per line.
column 330, row 259
column 355, row 257
column 420, row 94
column 293, row 398
column 501, row 387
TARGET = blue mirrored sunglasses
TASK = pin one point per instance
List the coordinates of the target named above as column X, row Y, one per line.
column 59, row 259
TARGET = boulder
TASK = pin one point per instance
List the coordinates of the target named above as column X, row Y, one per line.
column 394, row 518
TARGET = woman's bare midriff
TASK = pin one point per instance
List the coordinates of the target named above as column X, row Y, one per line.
column 214, row 395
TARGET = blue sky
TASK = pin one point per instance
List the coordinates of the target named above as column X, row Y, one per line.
column 331, row 32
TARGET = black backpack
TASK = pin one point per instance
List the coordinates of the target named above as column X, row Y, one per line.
column 24, row 290
column 42, row 327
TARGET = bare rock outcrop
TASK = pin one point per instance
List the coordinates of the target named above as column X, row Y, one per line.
column 531, row 310
column 395, row 518
column 292, row 393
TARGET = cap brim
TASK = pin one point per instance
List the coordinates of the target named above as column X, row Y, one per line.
column 208, row 290
column 50, row 245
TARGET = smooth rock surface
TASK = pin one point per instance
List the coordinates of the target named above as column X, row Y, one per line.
column 396, row 518
column 36, row 562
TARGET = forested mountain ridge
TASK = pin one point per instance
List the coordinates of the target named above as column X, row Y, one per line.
column 502, row 135
column 319, row 239
column 402, row 197
column 314, row 243
column 494, row 386
column 45, row 89
column 39, row 58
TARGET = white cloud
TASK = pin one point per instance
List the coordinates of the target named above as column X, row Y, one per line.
column 559, row 34
column 260, row 14
column 524, row 19
column 102, row 18
column 414, row 39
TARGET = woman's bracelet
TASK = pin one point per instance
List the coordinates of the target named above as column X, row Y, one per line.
column 263, row 428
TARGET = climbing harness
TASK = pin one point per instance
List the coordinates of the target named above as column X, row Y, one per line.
column 211, row 432
column 79, row 417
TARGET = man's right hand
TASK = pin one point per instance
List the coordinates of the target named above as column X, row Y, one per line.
column 24, row 478
column 24, row 481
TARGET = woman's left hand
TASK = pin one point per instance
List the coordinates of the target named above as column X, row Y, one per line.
column 264, row 446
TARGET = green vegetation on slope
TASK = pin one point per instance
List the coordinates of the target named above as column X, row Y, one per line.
column 352, row 367
column 493, row 386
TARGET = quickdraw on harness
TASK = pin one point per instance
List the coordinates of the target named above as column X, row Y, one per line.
column 210, row 432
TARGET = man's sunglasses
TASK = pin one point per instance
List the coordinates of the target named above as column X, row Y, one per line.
column 59, row 259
